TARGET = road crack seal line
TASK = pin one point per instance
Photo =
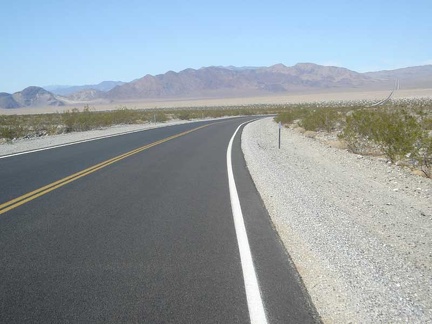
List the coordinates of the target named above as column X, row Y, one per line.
column 9, row 205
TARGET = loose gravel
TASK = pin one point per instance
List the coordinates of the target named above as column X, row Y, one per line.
column 358, row 229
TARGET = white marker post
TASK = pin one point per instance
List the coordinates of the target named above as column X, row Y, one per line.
column 280, row 127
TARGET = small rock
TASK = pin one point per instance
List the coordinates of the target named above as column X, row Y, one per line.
column 310, row 134
column 403, row 164
column 61, row 129
column 418, row 173
column 338, row 145
column 301, row 130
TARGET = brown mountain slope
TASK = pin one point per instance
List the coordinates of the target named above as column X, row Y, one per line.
column 410, row 77
column 29, row 97
column 215, row 81
column 36, row 96
column 7, row 101
column 86, row 95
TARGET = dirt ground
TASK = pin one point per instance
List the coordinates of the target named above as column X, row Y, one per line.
column 213, row 102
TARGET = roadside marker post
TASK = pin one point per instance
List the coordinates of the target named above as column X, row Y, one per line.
column 280, row 127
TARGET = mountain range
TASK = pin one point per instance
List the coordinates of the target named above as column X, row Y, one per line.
column 63, row 90
column 219, row 82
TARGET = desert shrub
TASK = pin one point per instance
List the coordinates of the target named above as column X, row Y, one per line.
column 215, row 113
column 161, row 117
column 11, row 127
column 426, row 123
column 397, row 133
column 123, row 115
column 75, row 120
column 245, row 112
column 423, row 156
column 358, row 130
column 290, row 115
column 9, row 132
column 184, row 115
column 320, row 119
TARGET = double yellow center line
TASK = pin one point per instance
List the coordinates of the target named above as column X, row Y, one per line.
column 57, row 184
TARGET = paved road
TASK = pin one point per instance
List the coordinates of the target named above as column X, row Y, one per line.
column 149, row 238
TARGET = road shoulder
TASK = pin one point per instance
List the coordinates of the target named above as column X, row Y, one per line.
column 361, row 247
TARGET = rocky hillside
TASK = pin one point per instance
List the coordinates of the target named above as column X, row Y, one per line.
column 7, row 101
column 411, row 77
column 216, row 81
column 29, row 97
column 86, row 95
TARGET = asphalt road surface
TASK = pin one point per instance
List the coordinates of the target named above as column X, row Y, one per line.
column 147, row 237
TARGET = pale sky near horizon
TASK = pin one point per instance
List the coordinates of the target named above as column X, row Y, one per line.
column 80, row 42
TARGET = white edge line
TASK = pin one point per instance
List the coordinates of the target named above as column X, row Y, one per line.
column 257, row 313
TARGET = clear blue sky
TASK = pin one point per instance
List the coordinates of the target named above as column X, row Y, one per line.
column 77, row 42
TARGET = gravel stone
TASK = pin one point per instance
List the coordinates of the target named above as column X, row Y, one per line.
column 363, row 249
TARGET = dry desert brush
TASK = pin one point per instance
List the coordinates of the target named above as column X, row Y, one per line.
column 400, row 130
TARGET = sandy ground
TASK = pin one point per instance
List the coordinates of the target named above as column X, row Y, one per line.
column 279, row 99
column 358, row 229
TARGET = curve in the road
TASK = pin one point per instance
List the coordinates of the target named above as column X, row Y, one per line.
column 152, row 238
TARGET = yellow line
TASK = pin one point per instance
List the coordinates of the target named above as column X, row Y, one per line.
column 57, row 184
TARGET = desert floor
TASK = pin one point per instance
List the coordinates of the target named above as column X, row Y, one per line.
column 289, row 98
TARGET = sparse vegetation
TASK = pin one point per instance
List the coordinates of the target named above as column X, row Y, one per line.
column 87, row 119
column 291, row 115
column 18, row 126
column 400, row 130
column 76, row 120
column 320, row 119
column 396, row 133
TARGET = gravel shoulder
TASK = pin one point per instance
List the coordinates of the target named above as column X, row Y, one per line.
column 358, row 229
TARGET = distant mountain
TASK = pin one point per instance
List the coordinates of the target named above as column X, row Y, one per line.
column 67, row 90
column 29, row 97
column 7, row 101
column 227, row 81
column 220, row 82
column 411, row 77
column 86, row 95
